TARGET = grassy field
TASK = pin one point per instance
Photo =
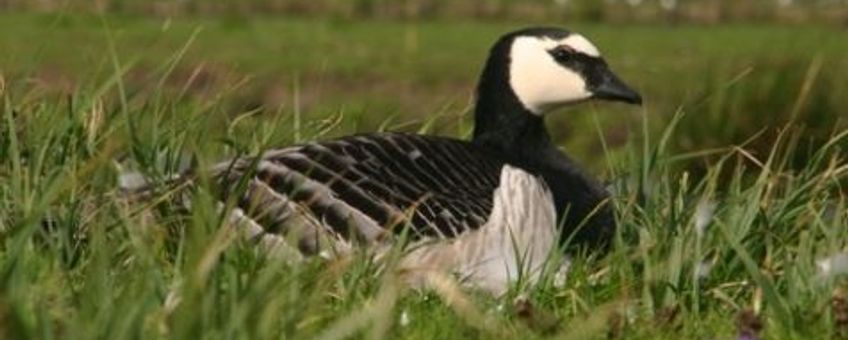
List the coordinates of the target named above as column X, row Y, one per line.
column 731, row 81
column 730, row 183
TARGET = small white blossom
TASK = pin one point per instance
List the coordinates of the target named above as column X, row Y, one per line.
column 702, row 270
column 833, row 266
column 404, row 319
column 172, row 300
column 704, row 215
column 561, row 275
column 631, row 313
column 131, row 181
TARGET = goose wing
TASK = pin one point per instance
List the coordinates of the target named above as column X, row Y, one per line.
column 369, row 185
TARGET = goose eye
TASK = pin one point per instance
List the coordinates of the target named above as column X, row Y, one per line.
column 561, row 53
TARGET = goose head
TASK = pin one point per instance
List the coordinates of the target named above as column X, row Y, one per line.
column 551, row 68
column 534, row 71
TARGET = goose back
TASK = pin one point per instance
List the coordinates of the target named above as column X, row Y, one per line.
column 362, row 186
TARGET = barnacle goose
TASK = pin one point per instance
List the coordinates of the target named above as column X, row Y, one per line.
column 488, row 210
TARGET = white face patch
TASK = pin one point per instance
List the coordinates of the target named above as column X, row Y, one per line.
column 541, row 83
column 580, row 44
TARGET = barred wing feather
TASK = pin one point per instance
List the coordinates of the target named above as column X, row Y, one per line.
column 365, row 185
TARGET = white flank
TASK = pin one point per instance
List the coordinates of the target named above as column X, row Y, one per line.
column 516, row 241
column 539, row 82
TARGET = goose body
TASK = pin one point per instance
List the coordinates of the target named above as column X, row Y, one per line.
column 489, row 210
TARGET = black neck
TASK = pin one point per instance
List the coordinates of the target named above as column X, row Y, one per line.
column 511, row 131
column 501, row 122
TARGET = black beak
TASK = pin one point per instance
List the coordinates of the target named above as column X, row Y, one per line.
column 611, row 88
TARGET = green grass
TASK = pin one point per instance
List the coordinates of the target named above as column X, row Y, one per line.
column 733, row 81
column 692, row 191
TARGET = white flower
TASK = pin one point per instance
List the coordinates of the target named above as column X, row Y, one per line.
column 173, row 299
column 702, row 270
column 631, row 312
column 404, row 319
column 561, row 275
column 833, row 266
column 131, row 181
column 704, row 215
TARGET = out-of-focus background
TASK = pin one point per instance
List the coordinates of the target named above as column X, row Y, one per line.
column 736, row 69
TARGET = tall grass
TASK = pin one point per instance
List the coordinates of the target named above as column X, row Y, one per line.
column 750, row 241
column 734, row 81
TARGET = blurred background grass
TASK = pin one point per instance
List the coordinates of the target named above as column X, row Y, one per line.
column 737, row 69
